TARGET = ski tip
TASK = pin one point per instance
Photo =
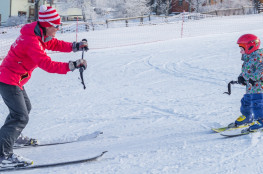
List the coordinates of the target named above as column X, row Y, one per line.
column 214, row 130
column 104, row 152
column 224, row 135
column 218, row 130
column 98, row 132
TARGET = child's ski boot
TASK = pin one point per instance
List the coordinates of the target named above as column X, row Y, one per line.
column 255, row 127
column 242, row 120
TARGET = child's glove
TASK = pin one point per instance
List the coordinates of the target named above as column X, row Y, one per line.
column 241, row 80
column 252, row 82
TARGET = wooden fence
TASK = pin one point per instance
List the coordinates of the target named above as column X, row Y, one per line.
column 260, row 7
column 126, row 20
column 234, row 11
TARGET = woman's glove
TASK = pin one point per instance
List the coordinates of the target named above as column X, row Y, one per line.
column 77, row 64
column 80, row 46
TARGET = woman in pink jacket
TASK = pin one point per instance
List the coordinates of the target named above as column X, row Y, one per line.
column 26, row 54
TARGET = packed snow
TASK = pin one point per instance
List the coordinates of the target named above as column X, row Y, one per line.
column 154, row 95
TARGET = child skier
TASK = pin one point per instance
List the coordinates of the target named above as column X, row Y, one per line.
column 252, row 77
column 26, row 54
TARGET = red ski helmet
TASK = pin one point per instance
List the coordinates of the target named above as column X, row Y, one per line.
column 249, row 42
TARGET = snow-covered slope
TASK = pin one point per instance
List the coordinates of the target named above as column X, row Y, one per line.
column 155, row 103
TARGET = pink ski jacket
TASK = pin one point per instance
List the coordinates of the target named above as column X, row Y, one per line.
column 28, row 53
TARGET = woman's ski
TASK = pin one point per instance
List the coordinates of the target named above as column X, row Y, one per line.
column 86, row 137
column 56, row 164
column 240, row 132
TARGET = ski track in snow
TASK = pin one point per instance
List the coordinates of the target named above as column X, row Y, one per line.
column 155, row 104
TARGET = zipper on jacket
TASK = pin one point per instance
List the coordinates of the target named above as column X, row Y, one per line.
column 23, row 76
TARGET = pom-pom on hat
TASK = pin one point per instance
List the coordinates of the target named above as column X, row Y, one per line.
column 48, row 15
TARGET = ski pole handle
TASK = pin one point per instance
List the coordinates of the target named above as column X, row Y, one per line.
column 81, row 69
column 84, row 40
column 229, row 87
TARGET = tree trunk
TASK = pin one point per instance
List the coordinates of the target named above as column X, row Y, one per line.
column 36, row 9
column 83, row 13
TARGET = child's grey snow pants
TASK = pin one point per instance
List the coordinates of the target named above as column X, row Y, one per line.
column 19, row 107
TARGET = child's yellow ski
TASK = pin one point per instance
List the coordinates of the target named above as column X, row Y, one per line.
column 222, row 129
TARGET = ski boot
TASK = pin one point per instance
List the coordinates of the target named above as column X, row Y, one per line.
column 241, row 121
column 25, row 141
column 254, row 128
column 13, row 160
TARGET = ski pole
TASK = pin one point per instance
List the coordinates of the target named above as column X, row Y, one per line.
column 229, row 86
column 81, row 69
